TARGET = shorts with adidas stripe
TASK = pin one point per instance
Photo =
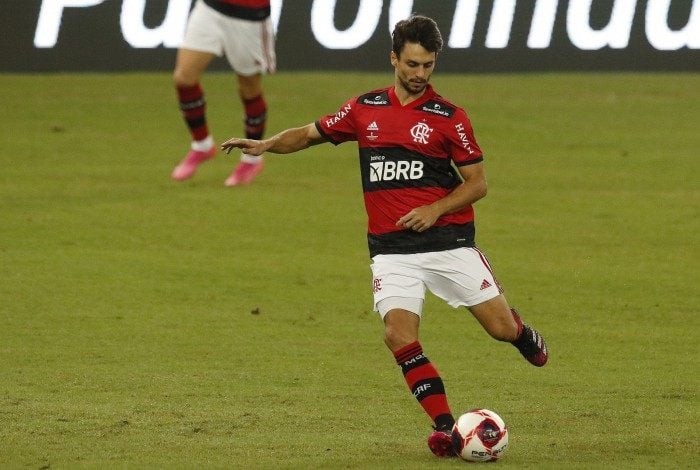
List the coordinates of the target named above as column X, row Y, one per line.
column 461, row 277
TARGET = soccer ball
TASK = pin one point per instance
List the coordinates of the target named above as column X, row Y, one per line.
column 480, row 436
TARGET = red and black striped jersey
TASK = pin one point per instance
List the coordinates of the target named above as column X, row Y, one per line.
column 252, row 10
column 408, row 156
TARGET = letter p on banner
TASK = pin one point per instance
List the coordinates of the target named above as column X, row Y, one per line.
column 50, row 16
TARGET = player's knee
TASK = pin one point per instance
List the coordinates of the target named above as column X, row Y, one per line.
column 396, row 339
column 183, row 79
column 250, row 87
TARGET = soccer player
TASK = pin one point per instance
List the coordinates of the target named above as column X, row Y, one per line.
column 422, row 170
column 241, row 30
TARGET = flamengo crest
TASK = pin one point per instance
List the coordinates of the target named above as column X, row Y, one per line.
column 421, row 133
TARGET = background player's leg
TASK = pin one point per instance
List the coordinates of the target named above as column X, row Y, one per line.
column 189, row 67
column 255, row 109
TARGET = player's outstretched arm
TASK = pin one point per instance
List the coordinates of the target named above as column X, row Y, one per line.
column 288, row 141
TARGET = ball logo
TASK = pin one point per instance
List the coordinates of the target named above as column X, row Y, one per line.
column 394, row 171
column 421, row 133
column 489, row 433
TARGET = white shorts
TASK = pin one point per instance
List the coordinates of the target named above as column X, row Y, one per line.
column 249, row 46
column 461, row 277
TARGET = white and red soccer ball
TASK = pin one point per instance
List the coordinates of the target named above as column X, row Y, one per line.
column 479, row 436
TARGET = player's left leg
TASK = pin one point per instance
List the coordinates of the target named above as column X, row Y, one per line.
column 504, row 324
column 399, row 293
column 255, row 108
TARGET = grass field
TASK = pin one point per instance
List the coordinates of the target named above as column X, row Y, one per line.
column 152, row 324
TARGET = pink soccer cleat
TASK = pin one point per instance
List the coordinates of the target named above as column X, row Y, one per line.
column 188, row 166
column 244, row 173
column 440, row 443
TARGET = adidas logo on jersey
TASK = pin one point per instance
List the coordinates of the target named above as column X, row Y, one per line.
column 485, row 285
column 392, row 171
column 372, row 128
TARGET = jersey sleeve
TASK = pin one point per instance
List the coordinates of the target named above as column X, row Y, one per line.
column 464, row 148
column 339, row 127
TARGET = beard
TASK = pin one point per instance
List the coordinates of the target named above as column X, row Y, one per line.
column 414, row 87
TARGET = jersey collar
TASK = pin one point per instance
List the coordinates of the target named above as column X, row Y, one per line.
column 429, row 93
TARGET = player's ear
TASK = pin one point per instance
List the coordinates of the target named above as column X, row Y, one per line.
column 393, row 58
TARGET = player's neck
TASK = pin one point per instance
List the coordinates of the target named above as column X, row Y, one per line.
column 404, row 96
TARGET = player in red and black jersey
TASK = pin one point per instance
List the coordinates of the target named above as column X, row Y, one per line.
column 407, row 152
column 422, row 170
column 242, row 31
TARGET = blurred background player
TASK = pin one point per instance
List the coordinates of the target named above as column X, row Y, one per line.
column 242, row 31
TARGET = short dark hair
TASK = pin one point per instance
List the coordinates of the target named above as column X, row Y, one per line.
column 417, row 29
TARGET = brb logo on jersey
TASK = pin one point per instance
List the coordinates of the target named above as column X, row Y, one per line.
column 388, row 170
column 421, row 133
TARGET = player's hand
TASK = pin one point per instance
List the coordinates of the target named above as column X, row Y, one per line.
column 249, row 146
column 419, row 219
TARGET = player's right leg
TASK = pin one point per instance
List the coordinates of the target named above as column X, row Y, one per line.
column 530, row 342
column 504, row 324
column 189, row 67
column 464, row 277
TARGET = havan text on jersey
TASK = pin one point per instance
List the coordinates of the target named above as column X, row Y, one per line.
column 339, row 115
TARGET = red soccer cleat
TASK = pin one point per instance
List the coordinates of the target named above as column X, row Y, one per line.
column 440, row 443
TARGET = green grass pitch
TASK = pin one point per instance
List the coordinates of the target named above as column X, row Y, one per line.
column 151, row 324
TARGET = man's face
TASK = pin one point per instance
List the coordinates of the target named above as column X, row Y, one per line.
column 413, row 67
